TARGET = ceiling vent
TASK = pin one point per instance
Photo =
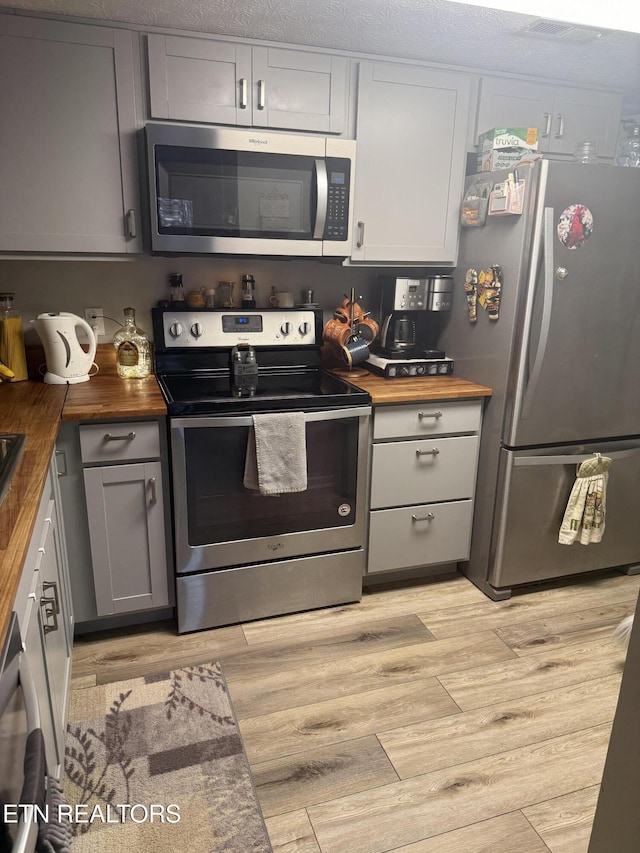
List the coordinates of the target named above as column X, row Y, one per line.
column 561, row 32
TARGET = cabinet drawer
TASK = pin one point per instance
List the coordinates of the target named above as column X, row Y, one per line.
column 419, row 536
column 420, row 419
column 414, row 472
column 120, row 442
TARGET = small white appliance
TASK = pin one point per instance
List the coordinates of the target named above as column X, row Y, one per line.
column 67, row 361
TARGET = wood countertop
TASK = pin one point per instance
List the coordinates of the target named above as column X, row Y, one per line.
column 414, row 388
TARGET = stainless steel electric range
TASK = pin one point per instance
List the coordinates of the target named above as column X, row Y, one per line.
column 239, row 554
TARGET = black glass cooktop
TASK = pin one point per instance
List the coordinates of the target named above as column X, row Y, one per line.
column 290, row 390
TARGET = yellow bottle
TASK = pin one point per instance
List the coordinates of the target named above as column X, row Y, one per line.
column 13, row 361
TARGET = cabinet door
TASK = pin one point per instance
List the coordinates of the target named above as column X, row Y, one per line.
column 193, row 79
column 516, row 103
column 125, row 509
column 68, row 164
column 581, row 114
column 299, row 91
column 411, row 134
column 52, row 617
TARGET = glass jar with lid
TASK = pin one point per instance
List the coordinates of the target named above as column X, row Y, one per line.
column 12, row 352
column 630, row 149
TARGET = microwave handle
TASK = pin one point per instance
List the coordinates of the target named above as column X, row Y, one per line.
column 322, row 187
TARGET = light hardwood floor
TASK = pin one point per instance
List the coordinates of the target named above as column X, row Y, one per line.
column 424, row 719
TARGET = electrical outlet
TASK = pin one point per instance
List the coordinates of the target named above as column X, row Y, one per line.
column 95, row 318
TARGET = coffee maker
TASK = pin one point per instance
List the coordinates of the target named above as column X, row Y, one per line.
column 409, row 309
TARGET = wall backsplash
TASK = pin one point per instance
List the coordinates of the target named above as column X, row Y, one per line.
column 52, row 285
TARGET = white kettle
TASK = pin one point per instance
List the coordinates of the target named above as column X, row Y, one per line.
column 67, row 362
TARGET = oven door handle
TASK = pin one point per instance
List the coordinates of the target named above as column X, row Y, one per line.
column 247, row 420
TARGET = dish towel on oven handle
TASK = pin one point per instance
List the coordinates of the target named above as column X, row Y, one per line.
column 276, row 458
column 585, row 515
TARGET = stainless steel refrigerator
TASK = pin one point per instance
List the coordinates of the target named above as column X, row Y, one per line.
column 563, row 359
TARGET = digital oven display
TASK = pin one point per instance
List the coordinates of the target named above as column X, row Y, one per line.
column 235, row 323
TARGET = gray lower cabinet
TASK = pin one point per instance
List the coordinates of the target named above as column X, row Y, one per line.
column 45, row 615
column 220, row 82
column 68, row 169
column 411, row 135
column 119, row 553
column 423, row 472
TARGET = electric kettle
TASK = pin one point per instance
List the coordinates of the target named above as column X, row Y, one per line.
column 67, row 362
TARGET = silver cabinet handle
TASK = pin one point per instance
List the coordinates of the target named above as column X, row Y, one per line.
column 547, row 127
column 132, row 231
column 243, row 93
column 422, row 415
column 560, row 132
column 129, row 437
column 360, row 241
column 152, row 486
column 428, row 517
column 261, row 94
column 433, row 452
column 322, row 198
column 62, row 455
column 51, row 607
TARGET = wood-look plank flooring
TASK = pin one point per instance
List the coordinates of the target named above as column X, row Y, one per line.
column 423, row 719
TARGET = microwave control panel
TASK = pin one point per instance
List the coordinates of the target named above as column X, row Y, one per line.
column 337, row 222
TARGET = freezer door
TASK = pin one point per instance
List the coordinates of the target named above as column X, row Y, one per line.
column 534, row 488
column 579, row 354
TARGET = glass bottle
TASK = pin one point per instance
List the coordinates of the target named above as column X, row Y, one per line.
column 630, row 149
column 133, row 350
column 248, row 291
column 177, row 290
column 585, row 152
column 12, row 353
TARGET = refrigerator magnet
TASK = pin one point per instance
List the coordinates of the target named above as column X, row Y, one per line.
column 575, row 226
column 471, row 289
column 490, row 289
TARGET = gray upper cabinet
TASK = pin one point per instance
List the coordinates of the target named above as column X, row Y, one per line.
column 68, row 169
column 411, row 136
column 564, row 115
column 219, row 82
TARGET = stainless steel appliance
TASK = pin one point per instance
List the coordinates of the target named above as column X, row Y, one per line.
column 236, row 191
column 408, row 335
column 239, row 554
column 562, row 359
column 21, row 753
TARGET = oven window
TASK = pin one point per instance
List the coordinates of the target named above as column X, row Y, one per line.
column 221, row 509
column 217, row 193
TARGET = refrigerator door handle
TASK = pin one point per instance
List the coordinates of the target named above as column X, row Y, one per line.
column 567, row 459
column 534, row 376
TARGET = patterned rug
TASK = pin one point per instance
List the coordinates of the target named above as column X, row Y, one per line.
column 157, row 764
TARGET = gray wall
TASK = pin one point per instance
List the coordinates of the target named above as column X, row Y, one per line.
column 72, row 285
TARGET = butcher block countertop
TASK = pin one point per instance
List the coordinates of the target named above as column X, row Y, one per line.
column 414, row 388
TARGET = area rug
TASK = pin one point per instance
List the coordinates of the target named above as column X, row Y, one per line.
column 157, row 764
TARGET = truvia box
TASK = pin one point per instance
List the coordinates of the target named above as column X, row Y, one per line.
column 502, row 147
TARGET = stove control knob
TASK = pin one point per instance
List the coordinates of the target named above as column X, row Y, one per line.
column 304, row 328
column 197, row 330
column 421, row 369
column 175, row 330
column 285, row 328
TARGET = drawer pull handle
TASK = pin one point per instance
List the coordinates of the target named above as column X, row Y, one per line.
column 51, row 607
column 436, row 415
column 433, row 452
column 46, row 586
column 428, row 517
column 129, row 437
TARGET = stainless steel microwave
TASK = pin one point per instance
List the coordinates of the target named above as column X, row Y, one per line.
column 237, row 191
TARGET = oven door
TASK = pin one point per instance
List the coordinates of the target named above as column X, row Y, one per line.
column 19, row 716
column 218, row 523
